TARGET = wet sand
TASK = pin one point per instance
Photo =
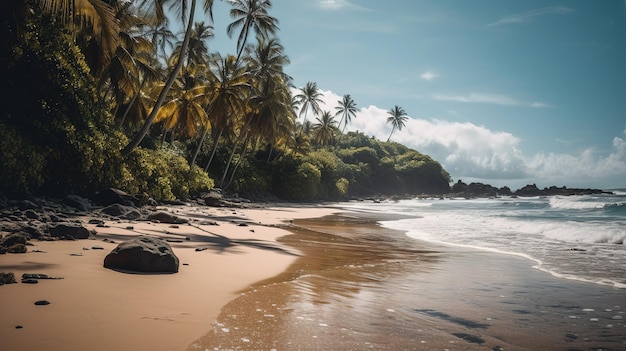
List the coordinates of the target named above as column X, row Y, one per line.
column 359, row 286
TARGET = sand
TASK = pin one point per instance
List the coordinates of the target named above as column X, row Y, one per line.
column 299, row 278
column 94, row 308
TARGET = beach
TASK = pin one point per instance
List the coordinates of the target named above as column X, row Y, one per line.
column 299, row 278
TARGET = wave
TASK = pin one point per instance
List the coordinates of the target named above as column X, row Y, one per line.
column 584, row 203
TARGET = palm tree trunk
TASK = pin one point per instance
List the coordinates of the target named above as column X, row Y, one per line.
column 217, row 140
column 173, row 75
column 393, row 129
column 243, row 155
column 195, row 154
column 130, row 104
column 230, row 159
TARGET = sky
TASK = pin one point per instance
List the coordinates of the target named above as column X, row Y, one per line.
column 502, row 92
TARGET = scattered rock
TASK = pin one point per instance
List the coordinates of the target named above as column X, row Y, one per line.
column 30, row 281
column 143, row 254
column 38, row 276
column 7, row 278
column 112, row 196
column 42, row 302
column 164, row 217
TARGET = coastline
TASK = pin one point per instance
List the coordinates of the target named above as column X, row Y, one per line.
column 361, row 286
column 305, row 277
column 94, row 308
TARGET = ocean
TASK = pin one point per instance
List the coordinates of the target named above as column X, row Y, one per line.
column 573, row 237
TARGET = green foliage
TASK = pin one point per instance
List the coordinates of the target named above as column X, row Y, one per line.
column 164, row 175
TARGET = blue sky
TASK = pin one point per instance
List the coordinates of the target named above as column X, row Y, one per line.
column 499, row 91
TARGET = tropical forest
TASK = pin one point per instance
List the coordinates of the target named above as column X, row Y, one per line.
column 109, row 94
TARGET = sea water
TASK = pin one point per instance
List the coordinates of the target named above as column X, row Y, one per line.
column 573, row 237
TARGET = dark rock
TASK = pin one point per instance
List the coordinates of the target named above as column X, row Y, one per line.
column 38, row 276
column 97, row 247
column 164, row 217
column 42, row 302
column 96, row 221
column 143, row 254
column 7, row 278
column 77, row 202
column 112, row 196
column 14, row 239
column 18, row 327
column 17, row 248
column 31, row 214
column 30, row 281
column 213, row 199
column 121, row 211
column 69, row 231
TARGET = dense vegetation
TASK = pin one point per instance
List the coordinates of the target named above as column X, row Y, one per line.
column 94, row 98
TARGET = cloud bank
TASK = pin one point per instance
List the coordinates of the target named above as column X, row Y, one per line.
column 471, row 152
column 531, row 15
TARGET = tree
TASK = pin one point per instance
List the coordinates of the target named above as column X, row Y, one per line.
column 250, row 14
column 229, row 82
column 309, row 97
column 325, row 129
column 347, row 110
column 208, row 5
column 397, row 118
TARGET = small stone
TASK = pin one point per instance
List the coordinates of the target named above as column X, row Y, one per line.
column 42, row 302
column 30, row 281
column 18, row 327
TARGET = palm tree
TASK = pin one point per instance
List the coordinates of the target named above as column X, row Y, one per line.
column 229, row 83
column 184, row 113
column 309, row 97
column 347, row 110
column 250, row 14
column 325, row 128
column 198, row 52
column 208, row 5
column 96, row 17
column 397, row 118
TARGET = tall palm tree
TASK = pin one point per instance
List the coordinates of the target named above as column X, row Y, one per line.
column 325, row 128
column 198, row 52
column 397, row 118
column 229, row 83
column 208, row 5
column 309, row 97
column 347, row 110
column 250, row 14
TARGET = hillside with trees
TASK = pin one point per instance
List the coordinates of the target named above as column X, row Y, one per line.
column 102, row 94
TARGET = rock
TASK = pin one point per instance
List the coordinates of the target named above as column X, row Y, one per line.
column 164, row 217
column 67, row 230
column 42, row 302
column 17, row 248
column 14, row 239
column 38, row 276
column 112, row 196
column 7, row 278
column 143, row 254
column 77, row 202
column 121, row 211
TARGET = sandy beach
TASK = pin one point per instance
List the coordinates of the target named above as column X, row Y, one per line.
column 298, row 278
column 94, row 308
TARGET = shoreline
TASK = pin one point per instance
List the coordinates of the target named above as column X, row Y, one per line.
column 304, row 277
column 361, row 286
column 94, row 308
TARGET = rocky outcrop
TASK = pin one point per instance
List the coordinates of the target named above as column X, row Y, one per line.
column 480, row 190
column 143, row 254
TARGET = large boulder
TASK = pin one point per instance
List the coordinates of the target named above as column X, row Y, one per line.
column 143, row 254
column 112, row 196
column 69, row 231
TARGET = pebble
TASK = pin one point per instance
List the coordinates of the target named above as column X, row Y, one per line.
column 42, row 302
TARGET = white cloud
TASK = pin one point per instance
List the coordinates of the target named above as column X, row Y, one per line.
column 530, row 15
column 334, row 5
column 471, row 152
column 487, row 98
column 428, row 75
column 479, row 97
